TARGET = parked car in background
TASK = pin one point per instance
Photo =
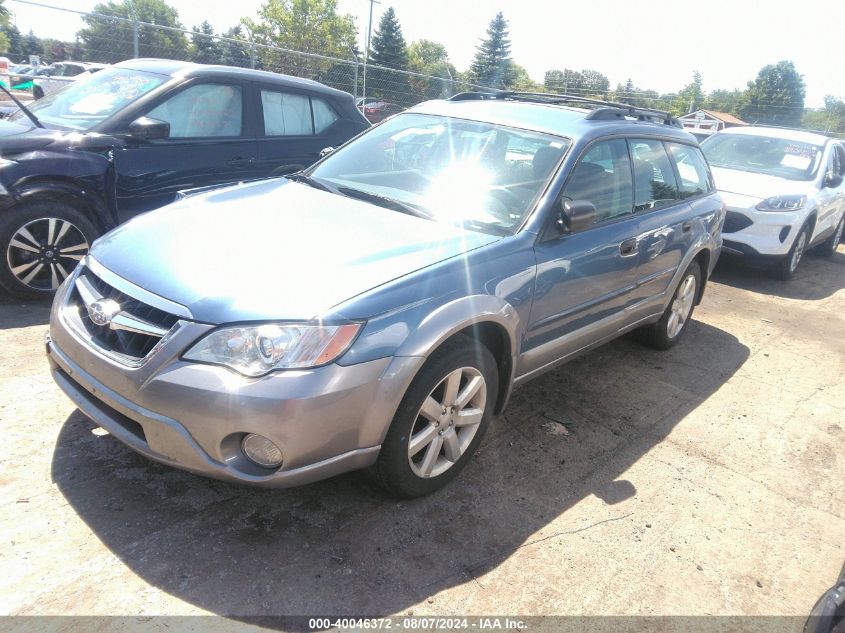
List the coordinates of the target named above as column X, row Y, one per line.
column 784, row 192
column 377, row 111
column 376, row 309
column 128, row 138
column 58, row 75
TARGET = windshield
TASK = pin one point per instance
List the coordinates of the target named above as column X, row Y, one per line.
column 91, row 100
column 481, row 176
column 763, row 155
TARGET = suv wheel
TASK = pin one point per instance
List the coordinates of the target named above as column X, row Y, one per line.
column 828, row 247
column 42, row 242
column 788, row 264
column 671, row 326
column 440, row 421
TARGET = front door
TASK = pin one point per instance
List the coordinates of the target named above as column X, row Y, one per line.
column 584, row 280
column 207, row 146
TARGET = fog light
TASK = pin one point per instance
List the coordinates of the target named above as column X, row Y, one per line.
column 261, row 451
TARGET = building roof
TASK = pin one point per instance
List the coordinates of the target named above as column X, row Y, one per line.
column 722, row 116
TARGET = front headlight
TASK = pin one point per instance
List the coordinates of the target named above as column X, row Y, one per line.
column 255, row 350
column 782, row 203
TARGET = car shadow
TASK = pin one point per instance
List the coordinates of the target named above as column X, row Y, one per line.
column 342, row 547
column 16, row 313
column 816, row 278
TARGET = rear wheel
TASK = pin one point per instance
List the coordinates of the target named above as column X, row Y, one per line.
column 671, row 326
column 787, row 265
column 42, row 242
column 441, row 420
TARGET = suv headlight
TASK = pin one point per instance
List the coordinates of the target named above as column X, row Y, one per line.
column 782, row 203
column 255, row 350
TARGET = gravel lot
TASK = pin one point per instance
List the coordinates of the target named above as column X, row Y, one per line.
column 704, row 480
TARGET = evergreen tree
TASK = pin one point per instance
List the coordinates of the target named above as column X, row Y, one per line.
column 15, row 45
column 205, row 48
column 388, row 49
column 235, row 53
column 31, row 45
column 492, row 66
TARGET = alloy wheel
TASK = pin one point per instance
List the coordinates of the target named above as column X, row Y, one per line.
column 449, row 418
column 798, row 251
column 43, row 252
column 681, row 306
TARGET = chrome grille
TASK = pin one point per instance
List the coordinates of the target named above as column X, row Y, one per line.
column 129, row 334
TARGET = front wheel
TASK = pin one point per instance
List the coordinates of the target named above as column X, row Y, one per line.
column 668, row 330
column 828, row 247
column 440, row 421
column 786, row 267
column 42, row 241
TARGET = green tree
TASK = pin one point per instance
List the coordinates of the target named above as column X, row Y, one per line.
column 830, row 118
column 388, row 49
column 594, row 83
column 432, row 59
column 235, row 53
column 14, row 41
column 776, row 97
column 205, row 49
column 564, row 81
column 5, row 21
column 691, row 97
column 31, row 45
column 522, row 81
column 111, row 40
column 309, row 26
column 492, row 65
column 729, row 101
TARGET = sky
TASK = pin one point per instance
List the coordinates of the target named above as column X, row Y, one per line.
column 657, row 45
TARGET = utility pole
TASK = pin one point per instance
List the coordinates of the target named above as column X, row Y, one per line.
column 367, row 53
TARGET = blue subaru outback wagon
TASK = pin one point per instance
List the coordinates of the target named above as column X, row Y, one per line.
column 376, row 310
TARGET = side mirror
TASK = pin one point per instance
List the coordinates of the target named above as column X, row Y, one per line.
column 832, row 180
column 326, row 151
column 147, row 129
column 576, row 215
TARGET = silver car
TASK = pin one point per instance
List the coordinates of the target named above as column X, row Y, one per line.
column 377, row 310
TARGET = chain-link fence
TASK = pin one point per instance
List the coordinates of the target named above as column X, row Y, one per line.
column 106, row 39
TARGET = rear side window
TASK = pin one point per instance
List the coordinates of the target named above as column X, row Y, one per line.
column 286, row 114
column 692, row 168
column 603, row 176
column 840, row 154
column 655, row 186
column 324, row 115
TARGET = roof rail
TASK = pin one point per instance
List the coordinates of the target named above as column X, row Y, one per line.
column 602, row 110
column 795, row 129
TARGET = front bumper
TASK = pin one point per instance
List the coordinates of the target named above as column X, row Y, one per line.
column 326, row 420
column 767, row 233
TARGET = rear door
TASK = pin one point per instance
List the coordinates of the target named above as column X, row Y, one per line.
column 210, row 143
column 673, row 194
column 294, row 127
column 585, row 279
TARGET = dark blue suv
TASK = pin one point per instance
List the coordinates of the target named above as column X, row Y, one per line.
column 128, row 138
column 375, row 310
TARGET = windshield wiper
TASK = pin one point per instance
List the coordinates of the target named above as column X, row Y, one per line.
column 311, row 182
column 384, row 201
column 23, row 108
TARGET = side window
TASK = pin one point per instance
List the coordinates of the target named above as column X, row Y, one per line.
column 654, row 180
column 692, row 168
column 286, row 114
column 603, row 176
column 840, row 155
column 324, row 115
column 202, row 111
column 71, row 70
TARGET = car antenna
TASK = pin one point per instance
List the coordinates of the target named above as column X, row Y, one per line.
column 23, row 108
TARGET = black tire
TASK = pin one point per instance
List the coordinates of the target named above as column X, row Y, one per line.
column 665, row 333
column 393, row 471
column 787, row 265
column 37, row 92
column 22, row 256
column 829, row 246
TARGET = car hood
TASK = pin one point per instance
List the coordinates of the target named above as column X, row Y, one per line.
column 18, row 136
column 274, row 250
column 759, row 186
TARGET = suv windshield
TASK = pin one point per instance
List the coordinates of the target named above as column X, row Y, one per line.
column 481, row 176
column 780, row 157
column 91, row 100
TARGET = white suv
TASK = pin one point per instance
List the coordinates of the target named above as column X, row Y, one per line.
column 783, row 190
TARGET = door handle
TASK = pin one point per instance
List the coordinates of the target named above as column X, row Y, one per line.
column 239, row 161
column 628, row 247
column 686, row 226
